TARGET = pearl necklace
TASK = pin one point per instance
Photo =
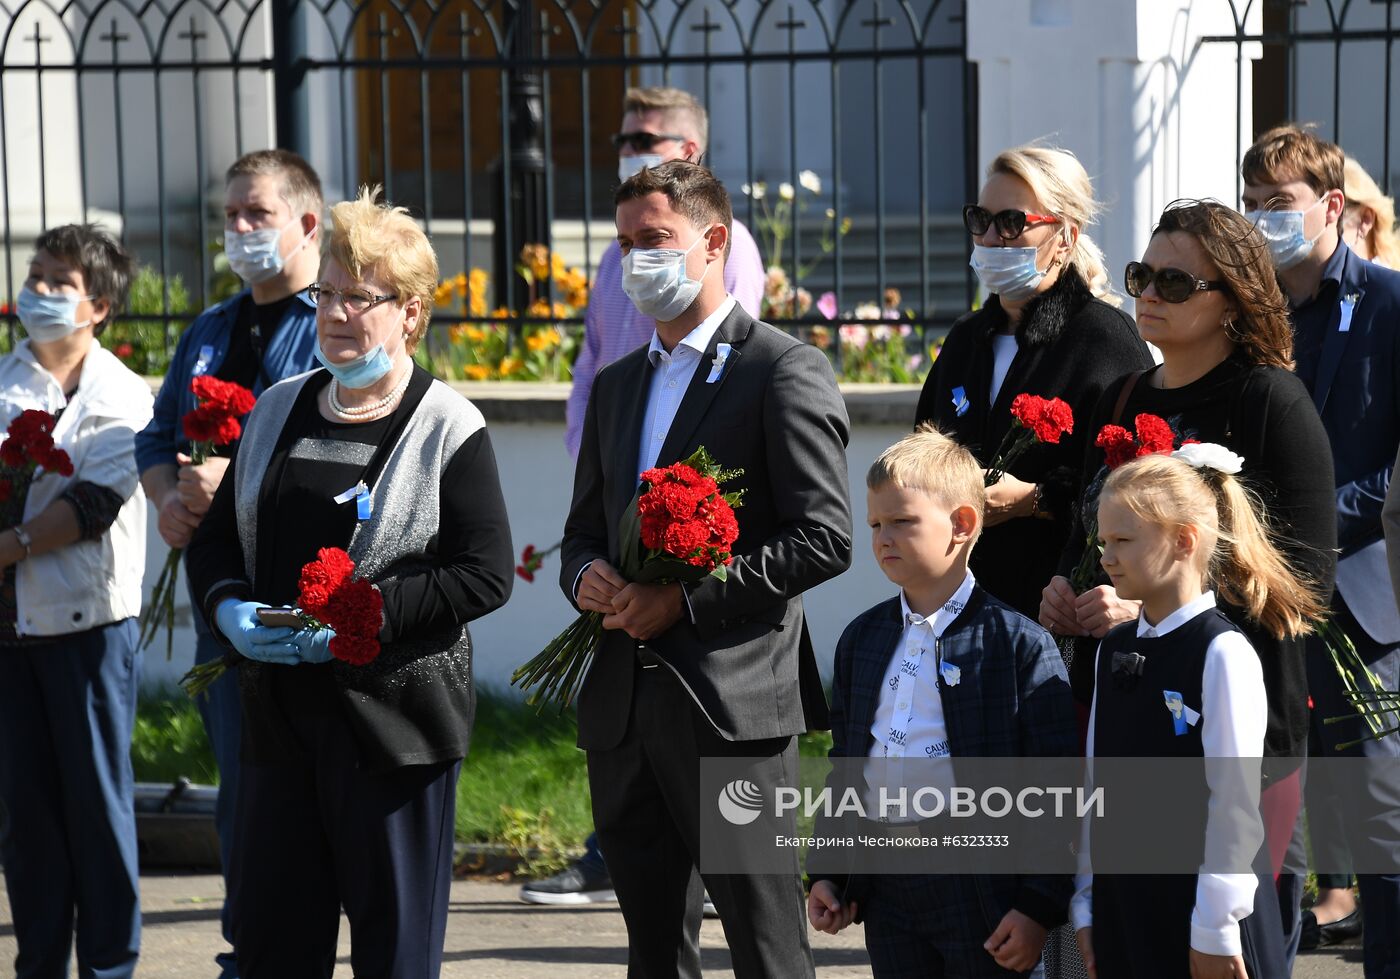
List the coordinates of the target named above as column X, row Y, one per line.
column 356, row 414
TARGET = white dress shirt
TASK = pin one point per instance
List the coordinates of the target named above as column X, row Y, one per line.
column 909, row 721
column 1233, row 715
column 671, row 374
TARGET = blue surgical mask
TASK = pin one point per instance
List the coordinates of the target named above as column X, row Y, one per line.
column 361, row 372
column 256, row 256
column 656, row 281
column 628, row 166
column 1010, row 273
column 1283, row 230
column 49, row 317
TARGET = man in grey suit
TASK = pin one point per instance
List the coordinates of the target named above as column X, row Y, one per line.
column 718, row 668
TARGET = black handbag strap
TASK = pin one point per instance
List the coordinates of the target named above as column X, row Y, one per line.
column 1124, row 393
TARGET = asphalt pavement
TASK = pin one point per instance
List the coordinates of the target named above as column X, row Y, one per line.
column 491, row 935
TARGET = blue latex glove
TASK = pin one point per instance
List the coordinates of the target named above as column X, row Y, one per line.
column 238, row 621
column 314, row 646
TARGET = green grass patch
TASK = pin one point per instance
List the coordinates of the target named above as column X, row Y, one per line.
column 169, row 741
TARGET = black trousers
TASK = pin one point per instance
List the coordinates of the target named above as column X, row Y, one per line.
column 646, row 808
column 319, row 834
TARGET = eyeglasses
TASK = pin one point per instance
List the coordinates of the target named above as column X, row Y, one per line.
column 353, row 300
column 1173, row 285
column 1009, row 223
column 641, row 142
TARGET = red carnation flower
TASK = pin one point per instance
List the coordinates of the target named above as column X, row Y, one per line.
column 225, row 396
column 1118, row 445
column 684, row 539
column 1154, row 435
column 208, row 423
column 354, row 650
column 55, row 461
column 13, row 453
column 1048, row 418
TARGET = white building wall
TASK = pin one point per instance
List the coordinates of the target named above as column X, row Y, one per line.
column 1125, row 85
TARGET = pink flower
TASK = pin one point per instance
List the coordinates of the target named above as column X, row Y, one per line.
column 826, row 305
column 854, row 335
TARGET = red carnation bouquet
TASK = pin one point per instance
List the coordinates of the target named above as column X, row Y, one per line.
column 214, row 422
column 1151, row 435
column 329, row 596
column 27, row 450
column 1033, row 419
column 680, row 528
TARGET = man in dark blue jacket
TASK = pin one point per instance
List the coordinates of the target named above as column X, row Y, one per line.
column 1346, row 318
column 272, row 224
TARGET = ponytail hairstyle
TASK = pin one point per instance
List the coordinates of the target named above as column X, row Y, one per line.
column 1238, row 556
column 1062, row 185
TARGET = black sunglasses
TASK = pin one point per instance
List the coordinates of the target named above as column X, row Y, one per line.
column 1173, row 285
column 641, row 142
column 1009, row 223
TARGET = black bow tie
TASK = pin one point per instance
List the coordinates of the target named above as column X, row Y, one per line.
column 1128, row 666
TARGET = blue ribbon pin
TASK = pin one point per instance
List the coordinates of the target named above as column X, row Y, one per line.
column 1348, row 308
column 201, row 364
column 1177, row 706
column 960, row 402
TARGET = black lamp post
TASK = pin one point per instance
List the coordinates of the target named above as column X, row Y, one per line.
column 519, row 209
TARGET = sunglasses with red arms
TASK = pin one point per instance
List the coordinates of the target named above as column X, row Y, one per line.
column 1009, row 223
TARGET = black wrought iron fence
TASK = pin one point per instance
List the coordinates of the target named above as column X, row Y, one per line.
column 490, row 121
column 1328, row 62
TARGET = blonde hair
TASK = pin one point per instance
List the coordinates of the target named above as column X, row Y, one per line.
column 932, row 463
column 1362, row 191
column 369, row 238
column 1238, row 554
column 1062, row 185
column 677, row 105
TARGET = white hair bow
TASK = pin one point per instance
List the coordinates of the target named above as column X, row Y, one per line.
column 1209, row 455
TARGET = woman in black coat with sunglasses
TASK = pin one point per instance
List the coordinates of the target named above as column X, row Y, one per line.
column 1049, row 327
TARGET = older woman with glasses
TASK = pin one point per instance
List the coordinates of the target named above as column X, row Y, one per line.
column 1208, row 299
column 349, row 771
column 1049, row 328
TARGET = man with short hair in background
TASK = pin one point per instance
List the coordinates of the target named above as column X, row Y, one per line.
column 658, row 125
column 1344, row 311
column 272, row 225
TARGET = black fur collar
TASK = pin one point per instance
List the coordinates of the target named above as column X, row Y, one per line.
column 1044, row 317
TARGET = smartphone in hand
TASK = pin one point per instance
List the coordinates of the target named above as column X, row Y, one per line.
column 288, row 617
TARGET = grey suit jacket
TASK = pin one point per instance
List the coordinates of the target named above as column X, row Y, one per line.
column 776, row 413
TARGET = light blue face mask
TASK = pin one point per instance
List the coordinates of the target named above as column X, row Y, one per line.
column 1283, row 230
column 1010, row 273
column 256, row 256
column 361, row 372
column 656, row 280
column 50, row 317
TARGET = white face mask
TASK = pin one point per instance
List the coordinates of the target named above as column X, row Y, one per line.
column 656, row 281
column 1010, row 273
column 628, row 166
column 1283, row 230
column 256, row 256
column 49, row 317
